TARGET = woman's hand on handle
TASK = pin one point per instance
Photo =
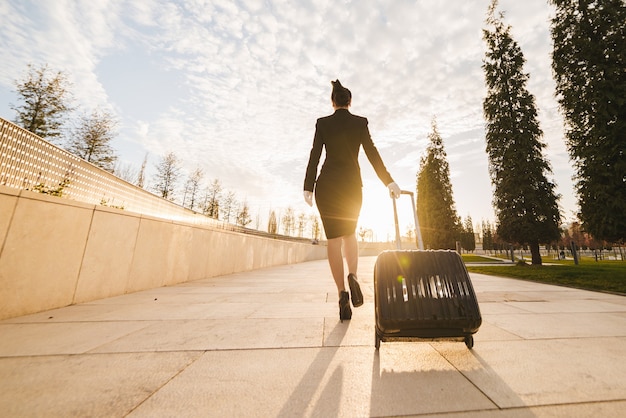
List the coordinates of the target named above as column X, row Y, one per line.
column 394, row 190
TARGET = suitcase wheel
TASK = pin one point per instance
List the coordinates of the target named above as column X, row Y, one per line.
column 377, row 343
column 469, row 341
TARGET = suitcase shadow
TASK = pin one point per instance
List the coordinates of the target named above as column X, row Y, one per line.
column 429, row 389
column 313, row 378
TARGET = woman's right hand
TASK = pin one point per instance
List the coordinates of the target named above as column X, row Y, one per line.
column 308, row 197
column 394, row 190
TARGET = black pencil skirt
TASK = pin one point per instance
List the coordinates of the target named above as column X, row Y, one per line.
column 339, row 205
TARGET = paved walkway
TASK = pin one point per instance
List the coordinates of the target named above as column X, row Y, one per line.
column 268, row 343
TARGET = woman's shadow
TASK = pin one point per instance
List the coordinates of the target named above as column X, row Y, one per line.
column 330, row 398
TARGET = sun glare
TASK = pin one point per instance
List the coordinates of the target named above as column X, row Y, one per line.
column 376, row 220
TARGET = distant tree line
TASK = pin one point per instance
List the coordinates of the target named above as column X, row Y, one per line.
column 215, row 202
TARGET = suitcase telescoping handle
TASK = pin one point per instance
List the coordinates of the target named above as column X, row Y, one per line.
column 418, row 233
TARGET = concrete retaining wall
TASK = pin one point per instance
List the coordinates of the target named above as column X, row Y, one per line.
column 56, row 252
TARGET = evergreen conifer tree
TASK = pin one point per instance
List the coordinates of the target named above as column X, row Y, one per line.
column 589, row 66
column 439, row 222
column 525, row 201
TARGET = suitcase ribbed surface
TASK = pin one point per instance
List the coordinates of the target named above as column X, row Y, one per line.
column 424, row 294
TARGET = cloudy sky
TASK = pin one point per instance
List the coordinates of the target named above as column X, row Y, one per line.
column 235, row 87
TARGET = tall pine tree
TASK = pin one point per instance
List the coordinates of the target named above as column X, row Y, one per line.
column 525, row 200
column 439, row 222
column 589, row 66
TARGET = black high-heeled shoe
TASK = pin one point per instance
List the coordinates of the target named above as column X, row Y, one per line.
column 355, row 291
column 345, row 312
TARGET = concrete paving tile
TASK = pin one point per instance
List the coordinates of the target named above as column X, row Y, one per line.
column 497, row 296
column 220, row 334
column 294, row 310
column 145, row 297
column 567, row 293
column 571, row 305
column 235, row 289
column 273, row 298
column 84, row 385
column 513, row 373
column 73, row 313
column 235, row 292
column 284, row 275
column 61, row 338
column 579, row 410
column 556, row 325
column 171, row 311
column 318, row 382
column 620, row 300
column 497, row 308
column 492, row 288
column 489, row 332
column 359, row 331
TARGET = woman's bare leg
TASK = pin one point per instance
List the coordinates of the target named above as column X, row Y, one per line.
column 335, row 260
column 351, row 249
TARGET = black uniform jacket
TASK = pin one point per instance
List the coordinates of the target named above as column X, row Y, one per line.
column 342, row 134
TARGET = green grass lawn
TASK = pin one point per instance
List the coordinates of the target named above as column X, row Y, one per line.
column 602, row 275
column 473, row 258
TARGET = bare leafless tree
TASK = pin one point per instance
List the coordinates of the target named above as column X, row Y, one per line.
column 166, row 177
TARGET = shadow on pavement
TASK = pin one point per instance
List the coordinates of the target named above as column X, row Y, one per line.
column 330, row 399
column 415, row 378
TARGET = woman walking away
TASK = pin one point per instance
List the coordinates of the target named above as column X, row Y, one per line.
column 338, row 189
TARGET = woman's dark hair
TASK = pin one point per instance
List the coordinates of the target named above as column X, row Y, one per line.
column 341, row 96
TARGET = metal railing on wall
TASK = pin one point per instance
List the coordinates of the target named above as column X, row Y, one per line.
column 28, row 162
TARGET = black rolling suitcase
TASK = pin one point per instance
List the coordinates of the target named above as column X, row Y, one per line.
column 423, row 294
